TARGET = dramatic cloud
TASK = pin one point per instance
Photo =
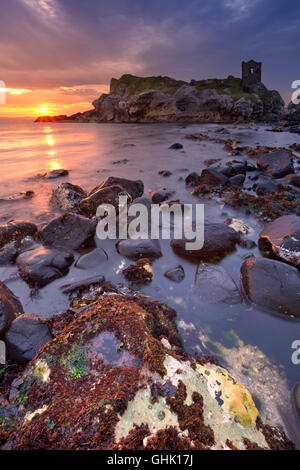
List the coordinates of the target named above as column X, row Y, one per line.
column 57, row 44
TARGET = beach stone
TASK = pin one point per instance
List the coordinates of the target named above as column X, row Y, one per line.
column 92, row 259
column 103, row 195
column 40, row 266
column 161, row 195
column 82, row 284
column 165, row 173
column 283, row 235
column 68, row 232
column 10, row 307
column 294, row 180
column 140, row 272
column 139, row 248
column 214, row 285
column 219, row 240
column 133, row 187
column 16, row 230
column 56, row 174
column 26, row 335
column 67, row 196
column 8, row 254
column 265, row 186
column 276, row 164
column 212, row 177
column 192, row 179
column 176, row 274
column 176, row 146
column 272, row 285
column 237, row 180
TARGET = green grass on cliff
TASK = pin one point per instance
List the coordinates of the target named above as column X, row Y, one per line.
column 139, row 84
column 231, row 86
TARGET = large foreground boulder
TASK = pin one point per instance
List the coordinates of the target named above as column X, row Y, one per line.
column 283, row 236
column 272, row 285
column 16, row 230
column 133, row 187
column 40, row 266
column 10, row 307
column 25, row 337
column 68, row 232
column 219, row 239
column 118, row 378
column 107, row 195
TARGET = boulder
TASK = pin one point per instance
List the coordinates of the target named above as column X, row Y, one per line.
column 176, row 274
column 10, row 307
column 176, row 146
column 265, row 186
column 192, row 179
column 161, row 195
column 294, row 180
column 16, row 230
column 139, row 248
column 8, row 254
column 91, row 259
column 40, row 266
column 283, row 236
column 68, row 232
column 133, row 187
column 67, row 196
column 212, row 177
column 118, row 378
column 276, row 164
column 272, row 285
column 219, row 240
column 105, row 195
column 214, row 285
column 237, row 180
column 25, row 337
column 140, row 272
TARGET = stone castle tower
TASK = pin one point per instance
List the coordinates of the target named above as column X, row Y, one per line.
column 251, row 74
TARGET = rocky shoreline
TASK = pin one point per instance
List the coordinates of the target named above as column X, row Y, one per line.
column 111, row 371
column 164, row 99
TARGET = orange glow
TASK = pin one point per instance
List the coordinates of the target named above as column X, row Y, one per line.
column 43, row 110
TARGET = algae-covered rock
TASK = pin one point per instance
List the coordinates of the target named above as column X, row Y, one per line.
column 117, row 377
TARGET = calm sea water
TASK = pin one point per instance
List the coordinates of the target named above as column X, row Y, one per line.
column 256, row 345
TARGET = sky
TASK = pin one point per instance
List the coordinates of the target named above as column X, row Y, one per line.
column 57, row 56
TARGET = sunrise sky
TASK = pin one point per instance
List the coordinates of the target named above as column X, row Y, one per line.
column 56, row 56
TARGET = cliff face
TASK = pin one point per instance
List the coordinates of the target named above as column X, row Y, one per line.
column 164, row 99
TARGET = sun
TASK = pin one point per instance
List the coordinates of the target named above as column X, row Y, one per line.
column 44, row 110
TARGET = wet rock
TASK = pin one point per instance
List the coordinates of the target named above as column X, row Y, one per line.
column 192, row 179
column 18, row 197
column 139, row 248
column 219, row 240
column 82, row 284
column 8, row 254
column 276, row 164
column 56, row 174
column 105, row 195
column 237, row 180
column 91, row 259
column 133, row 187
column 165, row 173
column 26, row 335
column 16, row 230
column 283, row 236
column 294, row 180
column 10, row 307
column 121, row 162
column 176, row 146
column 161, row 195
column 69, row 232
column 238, row 226
column 211, row 161
column 40, row 266
column 214, row 285
column 67, row 196
column 265, row 186
column 123, row 357
column 212, row 177
column 140, row 272
column 296, row 394
column 272, row 285
column 176, row 274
